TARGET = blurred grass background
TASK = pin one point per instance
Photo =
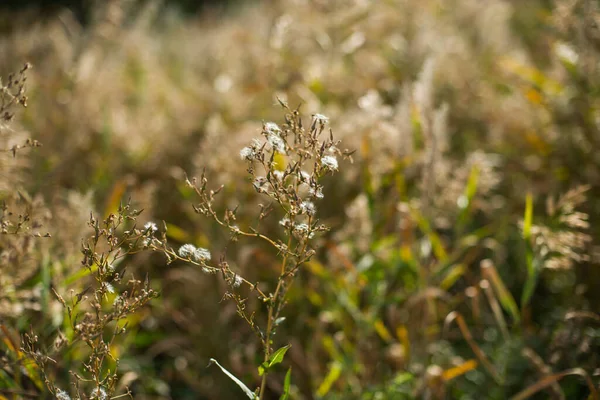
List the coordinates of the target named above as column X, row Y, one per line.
column 472, row 203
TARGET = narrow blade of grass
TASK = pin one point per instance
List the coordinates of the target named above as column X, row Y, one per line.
column 506, row 299
column 464, row 329
column 550, row 379
column 241, row 384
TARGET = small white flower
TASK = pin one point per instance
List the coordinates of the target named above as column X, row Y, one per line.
column 237, row 281
column 276, row 142
column 109, row 288
column 187, row 251
column 272, row 127
column 330, row 162
column 99, row 394
column 247, row 153
column 62, row 395
column 202, row 254
column 320, row 118
column 567, row 53
column 151, row 226
column 308, row 207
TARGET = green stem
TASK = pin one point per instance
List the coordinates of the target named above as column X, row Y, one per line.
column 272, row 302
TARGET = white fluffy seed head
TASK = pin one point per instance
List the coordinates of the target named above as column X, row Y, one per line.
column 320, row 118
column 99, row 394
column 272, row 127
column 109, row 288
column 151, row 226
column 187, row 251
column 202, row 254
column 308, row 207
column 329, row 162
column 276, row 143
column 62, row 395
column 247, row 153
column 237, row 281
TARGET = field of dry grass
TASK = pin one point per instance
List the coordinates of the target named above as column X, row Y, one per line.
column 405, row 192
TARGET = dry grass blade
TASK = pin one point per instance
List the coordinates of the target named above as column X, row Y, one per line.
column 544, row 370
column 582, row 315
column 495, row 306
column 464, row 329
column 506, row 299
column 550, row 379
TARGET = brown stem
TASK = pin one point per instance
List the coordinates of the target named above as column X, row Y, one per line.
column 272, row 302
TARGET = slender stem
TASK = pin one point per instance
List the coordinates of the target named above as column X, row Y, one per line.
column 267, row 343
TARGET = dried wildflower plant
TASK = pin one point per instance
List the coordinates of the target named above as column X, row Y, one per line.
column 13, row 94
column 97, row 314
column 286, row 166
column 14, row 222
column 22, row 220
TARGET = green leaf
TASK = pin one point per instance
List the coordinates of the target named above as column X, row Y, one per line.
column 248, row 392
column 533, row 265
column 275, row 358
column 532, row 262
column 335, row 370
column 286, row 385
column 528, row 218
column 467, row 197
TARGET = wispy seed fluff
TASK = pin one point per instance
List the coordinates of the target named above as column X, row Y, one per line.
column 247, row 153
column 320, row 118
column 274, row 139
column 316, row 192
column 329, row 162
column 99, row 393
column 109, row 288
column 276, row 142
column 62, row 395
column 186, row 251
column 272, row 127
column 197, row 254
column 202, row 254
column 308, row 207
column 237, row 281
column 151, row 226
